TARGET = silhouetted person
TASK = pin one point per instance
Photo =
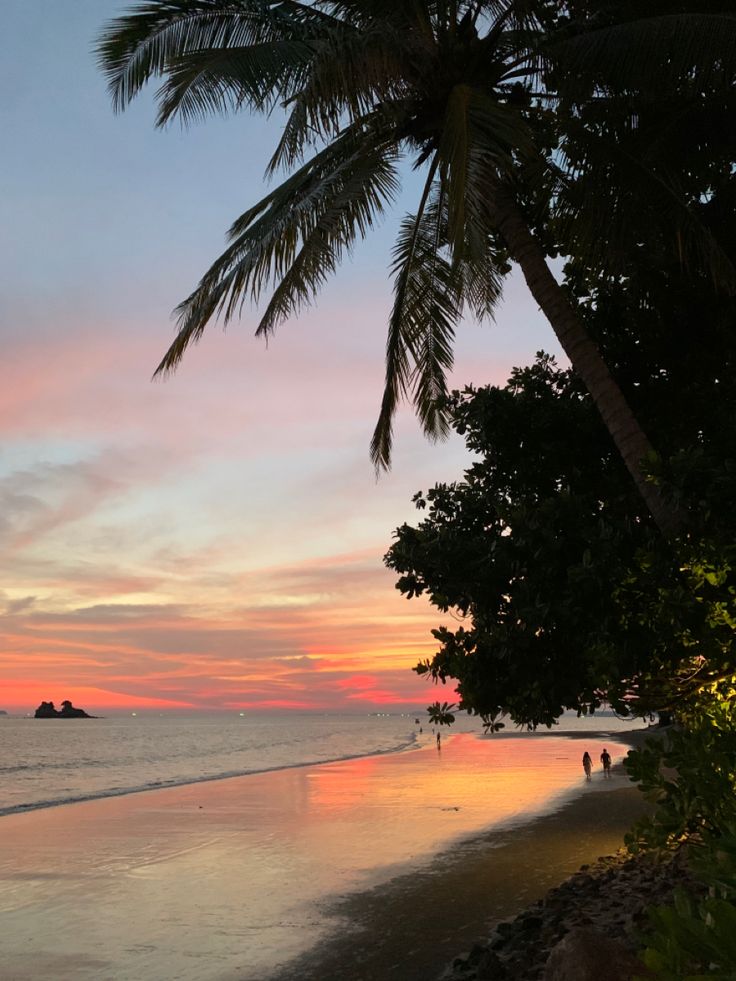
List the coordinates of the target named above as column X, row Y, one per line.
column 606, row 761
column 439, row 741
column 587, row 764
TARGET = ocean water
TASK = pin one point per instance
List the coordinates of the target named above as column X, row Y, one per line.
column 212, row 879
column 46, row 762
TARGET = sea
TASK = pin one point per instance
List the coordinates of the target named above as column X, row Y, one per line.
column 218, row 847
column 46, row 762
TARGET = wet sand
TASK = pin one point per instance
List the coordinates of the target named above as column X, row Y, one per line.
column 365, row 869
column 412, row 928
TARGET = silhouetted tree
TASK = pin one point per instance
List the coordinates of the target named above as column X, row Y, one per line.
column 473, row 92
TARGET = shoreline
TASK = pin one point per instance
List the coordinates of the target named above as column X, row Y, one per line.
column 630, row 737
column 416, row 926
column 381, row 863
column 193, row 781
column 175, row 783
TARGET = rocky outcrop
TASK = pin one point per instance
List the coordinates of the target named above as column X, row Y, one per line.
column 586, row 953
column 584, row 930
column 47, row 710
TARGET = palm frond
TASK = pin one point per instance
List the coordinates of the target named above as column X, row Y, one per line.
column 649, row 53
column 295, row 236
column 595, row 214
column 482, row 275
column 348, row 74
column 368, row 183
column 428, row 304
column 481, row 142
column 161, row 34
column 218, row 81
column 398, row 364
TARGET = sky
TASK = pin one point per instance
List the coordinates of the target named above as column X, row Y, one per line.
column 213, row 541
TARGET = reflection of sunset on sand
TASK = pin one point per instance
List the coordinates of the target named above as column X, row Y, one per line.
column 205, row 880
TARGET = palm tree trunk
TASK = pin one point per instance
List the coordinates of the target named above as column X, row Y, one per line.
column 628, row 436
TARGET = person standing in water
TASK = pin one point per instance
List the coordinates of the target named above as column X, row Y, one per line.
column 606, row 761
column 587, row 764
column 439, row 741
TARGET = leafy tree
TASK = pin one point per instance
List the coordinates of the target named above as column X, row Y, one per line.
column 466, row 90
column 543, row 552
column 694, row 939
column 690, row 772
column 526, row 552
column 565, row 595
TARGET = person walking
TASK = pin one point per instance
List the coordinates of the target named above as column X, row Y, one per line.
column 606, row 761
column 587, row 764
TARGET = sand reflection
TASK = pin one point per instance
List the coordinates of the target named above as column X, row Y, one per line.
column 228, row 878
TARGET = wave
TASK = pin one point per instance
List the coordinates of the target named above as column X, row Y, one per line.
column 38, row 767
column 408, row 744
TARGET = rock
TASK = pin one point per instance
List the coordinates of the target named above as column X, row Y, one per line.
column 606, row 903
column 47, row 710
column 490, row 968
column 476, row 954
column 531, row 922
column 586, row 954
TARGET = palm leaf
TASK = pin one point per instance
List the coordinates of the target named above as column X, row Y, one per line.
column 633, row 167
column 224, row 80
column 427, row 307
column 368, row 183
column 649, row 54
column 295, row 236
column 159, row 34
column 398, row 365
column 480, row 144
column 348, row 74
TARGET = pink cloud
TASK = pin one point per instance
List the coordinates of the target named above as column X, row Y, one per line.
column 234, row 505
column 365, row 682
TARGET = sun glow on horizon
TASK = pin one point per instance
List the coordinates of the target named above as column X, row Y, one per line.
column 214, row 541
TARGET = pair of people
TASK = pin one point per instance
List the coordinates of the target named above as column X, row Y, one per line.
column 588, row 763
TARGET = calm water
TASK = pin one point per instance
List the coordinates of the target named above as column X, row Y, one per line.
column 211, row 879
column 47, row 762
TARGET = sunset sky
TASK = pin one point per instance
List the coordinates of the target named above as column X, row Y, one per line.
column 213, row 541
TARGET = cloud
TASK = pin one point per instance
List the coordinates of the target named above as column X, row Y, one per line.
column 253, row 653
column 214, row 539
column 35, row 501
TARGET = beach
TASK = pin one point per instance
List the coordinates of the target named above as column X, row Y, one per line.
column 363, row 869
column 416, row 926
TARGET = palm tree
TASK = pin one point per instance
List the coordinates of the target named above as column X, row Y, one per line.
column 459, row 87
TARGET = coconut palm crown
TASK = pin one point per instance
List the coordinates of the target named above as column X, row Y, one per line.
column 459, row 89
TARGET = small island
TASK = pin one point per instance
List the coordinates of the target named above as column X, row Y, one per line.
column 46, row 710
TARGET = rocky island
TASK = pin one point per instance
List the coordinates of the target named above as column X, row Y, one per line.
column 46, row 710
